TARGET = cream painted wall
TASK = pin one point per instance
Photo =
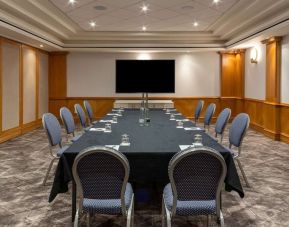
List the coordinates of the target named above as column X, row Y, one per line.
column 10, row 85
column 93, row 74
column 285, row 70
column 255, row 74
column 29, row 85
column 43, row 84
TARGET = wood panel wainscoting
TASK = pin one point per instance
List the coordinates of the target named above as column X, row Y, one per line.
column 262, row 115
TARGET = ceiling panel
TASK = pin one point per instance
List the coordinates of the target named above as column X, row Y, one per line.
column 163, row 15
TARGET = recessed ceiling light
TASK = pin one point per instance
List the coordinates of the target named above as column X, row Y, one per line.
column 144, row 28
column 92, row 24
column 144, row 8
column 196, row 24
column 216, row 1
column 41, row 45
column 100, row 7
column 71, row 2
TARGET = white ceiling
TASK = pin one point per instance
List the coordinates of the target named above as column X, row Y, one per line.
column 126, row 15
column 60, row 26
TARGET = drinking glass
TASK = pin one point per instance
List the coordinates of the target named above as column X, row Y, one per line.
column 198, row 140
column 172, row 117
column 180, row 124
column 114, row 119
column 107, row 127
column 125, row 140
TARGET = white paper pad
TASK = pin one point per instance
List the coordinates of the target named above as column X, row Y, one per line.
column 183, row 147
column 118, row 110
column 96, row 129
column 113, row 114
column 109, row 121
column 193, row 128
column 178, row 114
column 182, row 120
column 116, row 147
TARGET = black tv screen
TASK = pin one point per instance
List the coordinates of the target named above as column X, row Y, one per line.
column 145, row 76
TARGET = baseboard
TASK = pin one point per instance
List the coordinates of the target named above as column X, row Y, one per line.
column 10, row 134
column 284, row 138
column 28, row 127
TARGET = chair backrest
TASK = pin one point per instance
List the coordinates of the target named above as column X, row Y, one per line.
column 222, row 120
column 89, row 110
column 101, row 173
column 81, row 115
column 52, row 128
column 209, row 113
column 67, row 119
column 197, row 174
column 238, row 129
column 198, row 110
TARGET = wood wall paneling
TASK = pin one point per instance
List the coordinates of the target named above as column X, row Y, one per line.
column 57, row 75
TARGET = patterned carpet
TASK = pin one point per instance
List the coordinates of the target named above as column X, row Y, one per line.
column 23, row 199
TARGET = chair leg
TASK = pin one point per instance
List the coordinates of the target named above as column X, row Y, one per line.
column 222, row 222
column 167, row 215
column 243, row 173
column 88, row 219
column 75, row 224
column 208, row 220
column 48, row 171
column 163, row 214
column 129, row 219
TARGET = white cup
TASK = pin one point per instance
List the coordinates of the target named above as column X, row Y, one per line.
column 107, row 127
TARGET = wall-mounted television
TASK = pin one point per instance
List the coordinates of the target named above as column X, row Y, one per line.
column 145, row 76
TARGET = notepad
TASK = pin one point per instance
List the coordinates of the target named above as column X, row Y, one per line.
column 109, row 121
column 96, row 129
column 183, row 119
column 116, row 147
column 192, row 128
column 113, row 114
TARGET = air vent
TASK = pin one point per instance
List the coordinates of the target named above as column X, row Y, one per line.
column 100, row 7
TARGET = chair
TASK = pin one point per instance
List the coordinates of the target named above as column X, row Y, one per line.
column 101, row 177
column 237, row 133
column 196, row 178
column 68, row 121
column 53, row 131
column 221, row 123
column 89, row 111
column 208, row 115
column 81, row 115
column 198, row 110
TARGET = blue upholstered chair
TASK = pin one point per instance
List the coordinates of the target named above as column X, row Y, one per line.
column 53, row 131
column 196, row 178
column 68, row 121
column 101, row 176
column 81, row 115
column 222, row 122
column 89, row 111
column 198, row 110
column 237, row 133
column 208, row 115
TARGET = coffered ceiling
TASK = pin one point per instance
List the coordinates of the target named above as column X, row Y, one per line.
column 169, row 24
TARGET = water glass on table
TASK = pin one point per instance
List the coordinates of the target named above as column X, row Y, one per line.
column 172, row 117
column 125, row 140
column 107, row 127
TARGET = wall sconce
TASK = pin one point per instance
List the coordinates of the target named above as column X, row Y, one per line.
column 254, row 55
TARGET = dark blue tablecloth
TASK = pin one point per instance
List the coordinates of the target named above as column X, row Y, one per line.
column 150, row 151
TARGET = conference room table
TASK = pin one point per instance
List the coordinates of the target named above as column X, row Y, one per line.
column 150, row 150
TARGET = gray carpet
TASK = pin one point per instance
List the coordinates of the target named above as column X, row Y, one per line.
column 23, row 199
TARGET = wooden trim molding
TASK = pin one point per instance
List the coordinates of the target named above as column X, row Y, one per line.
column 1, row 88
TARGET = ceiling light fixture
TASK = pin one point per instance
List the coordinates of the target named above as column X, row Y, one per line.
column 216, row 2
column 71, row 2
column 92, row 24
column 144, row 8
column 196, row 24
column 41, row 45
column 144, row 28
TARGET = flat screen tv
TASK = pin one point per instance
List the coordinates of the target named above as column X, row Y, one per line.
column 145, row 76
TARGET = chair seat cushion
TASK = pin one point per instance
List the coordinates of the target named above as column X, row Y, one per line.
column 61, row 150
column 107, row 206
column 75, row 138
column 190, row 207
